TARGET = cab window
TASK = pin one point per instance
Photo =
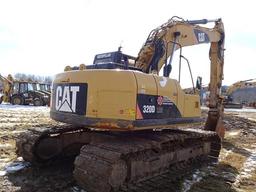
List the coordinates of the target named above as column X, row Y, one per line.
column 16, row 88
column 30, row 87
column 23, row 87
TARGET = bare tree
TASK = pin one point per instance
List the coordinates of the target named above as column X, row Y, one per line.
column 34, row 78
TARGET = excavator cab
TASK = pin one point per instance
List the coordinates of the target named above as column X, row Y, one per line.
column 109, row 60
column 113, row 60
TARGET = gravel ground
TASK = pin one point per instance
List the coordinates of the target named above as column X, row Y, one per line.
column 236, row 170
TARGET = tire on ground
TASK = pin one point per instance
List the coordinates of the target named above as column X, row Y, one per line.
column 38, row 102
column 17, row 100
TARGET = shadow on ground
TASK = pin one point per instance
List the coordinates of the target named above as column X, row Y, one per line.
column 230, row 146
column 219, row 179
column 51, row 178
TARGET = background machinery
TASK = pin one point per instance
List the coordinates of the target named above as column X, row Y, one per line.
column 241, row 93
column 6, row 88
column 125, row 119
column 21, row 93
column 43, row 88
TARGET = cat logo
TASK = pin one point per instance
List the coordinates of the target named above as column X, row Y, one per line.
column 69, row 98
column 201, row 36
column 66, row 98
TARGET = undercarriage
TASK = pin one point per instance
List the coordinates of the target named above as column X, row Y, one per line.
column 114, row 161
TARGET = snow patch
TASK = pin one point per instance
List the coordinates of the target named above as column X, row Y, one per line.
column 248, row 168
column 251, row 119
column 77, row 189
column 3, row 173
column 15, row 166
column 233, row 133
column 244, row 110
column 22, row 107
column 5, row 145
column 12, row 132
column 4, row 160
column 197, row 176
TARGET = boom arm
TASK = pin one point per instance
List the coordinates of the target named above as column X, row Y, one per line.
column 163, row 41
column 9, row 79
column 7, row 87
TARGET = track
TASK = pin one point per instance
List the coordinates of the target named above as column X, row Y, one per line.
column 119, row 161
column 169, row 180
column 45, row 145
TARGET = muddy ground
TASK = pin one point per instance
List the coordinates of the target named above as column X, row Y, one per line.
column 235, row 171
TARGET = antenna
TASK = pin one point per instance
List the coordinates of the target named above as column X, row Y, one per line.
column 120, row 46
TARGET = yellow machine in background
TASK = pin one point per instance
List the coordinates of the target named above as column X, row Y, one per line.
column 127, row 117
column 7, row 88
column 240, row 85
column 241, row 93
column 21, row 93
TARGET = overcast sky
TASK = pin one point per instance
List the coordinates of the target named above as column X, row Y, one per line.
column 42, row 37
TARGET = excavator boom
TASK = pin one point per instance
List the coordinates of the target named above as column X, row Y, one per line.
column 163, row 41
column 7, row 83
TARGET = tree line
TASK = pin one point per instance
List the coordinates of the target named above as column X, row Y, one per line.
column 34, row 78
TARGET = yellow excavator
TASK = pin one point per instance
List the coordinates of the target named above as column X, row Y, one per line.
column 241, row 93
column 125, row 122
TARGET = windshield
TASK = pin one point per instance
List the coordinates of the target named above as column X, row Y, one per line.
column 23, row 87
column 48, row 87
column 42, row 87
column 30, row 87
column 34, row 86
column 16, row 88
column 38, row 87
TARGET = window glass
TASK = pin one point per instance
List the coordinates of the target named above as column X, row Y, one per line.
column 42, row 87
column 38, row 87
column 16, row 88
column 23, row 87
column 30, row 87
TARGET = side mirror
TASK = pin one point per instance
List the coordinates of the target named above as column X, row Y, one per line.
column 199, row 82
column 167, row 70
